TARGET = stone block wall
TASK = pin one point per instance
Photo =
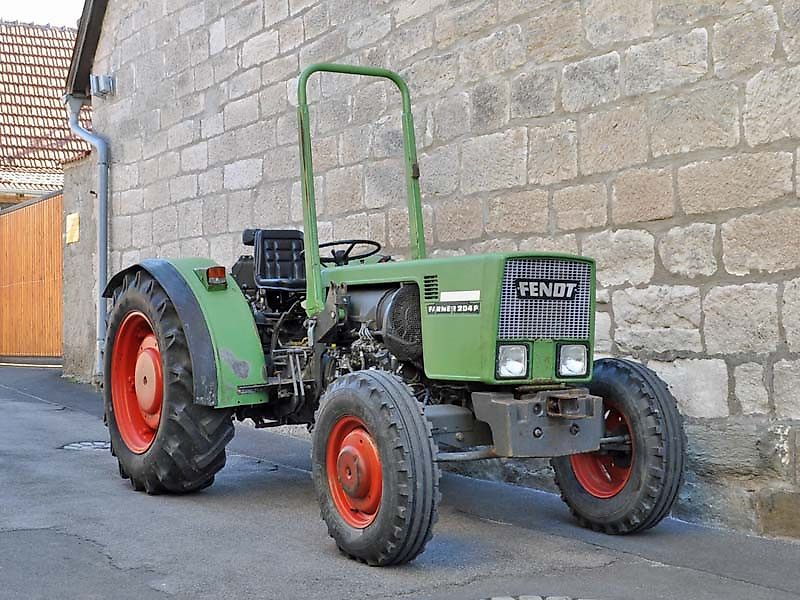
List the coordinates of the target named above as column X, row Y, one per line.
column 659, row 136
column 80, row 265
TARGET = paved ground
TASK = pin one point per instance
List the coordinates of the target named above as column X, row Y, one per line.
column 71, row 528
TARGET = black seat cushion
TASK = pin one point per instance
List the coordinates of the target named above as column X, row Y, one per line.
column 279, row 261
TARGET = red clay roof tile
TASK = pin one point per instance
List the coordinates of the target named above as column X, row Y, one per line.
column 34, row 133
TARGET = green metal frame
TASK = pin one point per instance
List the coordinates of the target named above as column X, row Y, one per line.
column 463, row 347
column 315, row 292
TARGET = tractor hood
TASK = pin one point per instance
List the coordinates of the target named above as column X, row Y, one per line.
column 472, row 305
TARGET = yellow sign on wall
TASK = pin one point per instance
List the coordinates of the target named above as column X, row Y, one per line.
column 73, row 228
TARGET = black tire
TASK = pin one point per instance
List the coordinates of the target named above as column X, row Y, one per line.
column 410, row 475
column 659, row 450
column 189, row 444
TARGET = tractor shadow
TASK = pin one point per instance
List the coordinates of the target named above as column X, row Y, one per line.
column 269, row 491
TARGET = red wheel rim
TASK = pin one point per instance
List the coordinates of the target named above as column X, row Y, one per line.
column 137, row 382
column 355, row 476
column 604, row 475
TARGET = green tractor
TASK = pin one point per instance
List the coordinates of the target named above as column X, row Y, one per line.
column 395, row 366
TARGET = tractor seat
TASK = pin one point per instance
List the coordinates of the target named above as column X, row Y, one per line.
column 278, row 257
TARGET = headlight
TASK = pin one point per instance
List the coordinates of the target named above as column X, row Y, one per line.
column 512, row 362
column 573, row 361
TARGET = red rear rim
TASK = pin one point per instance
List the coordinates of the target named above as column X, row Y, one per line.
column 137, row 382
column 353, row 467
column 605, row 474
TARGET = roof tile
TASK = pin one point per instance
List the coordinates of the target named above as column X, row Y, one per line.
column 34, row 132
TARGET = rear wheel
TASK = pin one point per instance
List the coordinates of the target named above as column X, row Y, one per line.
column 162, row 440
column 374, row 468
column 631, row 483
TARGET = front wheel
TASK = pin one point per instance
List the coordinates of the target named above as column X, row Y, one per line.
column 631, row 483
column 374, row 468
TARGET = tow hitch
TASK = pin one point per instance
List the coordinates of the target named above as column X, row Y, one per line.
column 541, row 424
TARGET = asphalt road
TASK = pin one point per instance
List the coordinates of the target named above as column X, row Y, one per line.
column 70, row 528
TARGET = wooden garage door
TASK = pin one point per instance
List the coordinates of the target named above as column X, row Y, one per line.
column 30, row 279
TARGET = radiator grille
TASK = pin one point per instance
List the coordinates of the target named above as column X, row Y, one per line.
column 522, row 318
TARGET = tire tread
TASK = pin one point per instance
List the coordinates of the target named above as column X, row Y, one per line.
column 190, row 450
column 667, row 442
column 418, row 473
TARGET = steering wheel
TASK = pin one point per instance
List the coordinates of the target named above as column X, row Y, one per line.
column 342, row 257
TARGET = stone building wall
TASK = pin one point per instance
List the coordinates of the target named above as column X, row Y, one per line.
column 659, row 136
column 79, row 266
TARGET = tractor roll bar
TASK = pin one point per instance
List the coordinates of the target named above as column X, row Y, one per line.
column 315, row 300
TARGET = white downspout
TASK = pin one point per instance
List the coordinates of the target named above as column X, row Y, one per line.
column 74, row 107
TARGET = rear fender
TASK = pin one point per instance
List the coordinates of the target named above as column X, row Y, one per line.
column 224, row 345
